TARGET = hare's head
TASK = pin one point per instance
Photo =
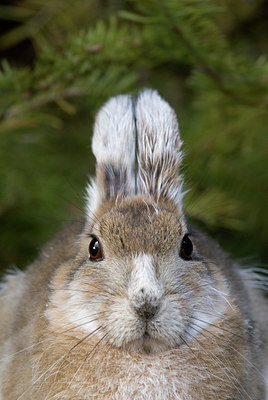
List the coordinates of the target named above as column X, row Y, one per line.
column 140, row 283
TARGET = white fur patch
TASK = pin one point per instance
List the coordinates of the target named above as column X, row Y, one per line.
column 74, row 307
column 144, row 283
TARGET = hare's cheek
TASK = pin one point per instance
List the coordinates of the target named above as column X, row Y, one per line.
column 69, row 312
column 210, row 308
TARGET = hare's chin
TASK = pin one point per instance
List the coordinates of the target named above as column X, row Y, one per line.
column 147, row 344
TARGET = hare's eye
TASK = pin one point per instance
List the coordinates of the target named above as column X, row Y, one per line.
column 95, row 251
column 186, row 248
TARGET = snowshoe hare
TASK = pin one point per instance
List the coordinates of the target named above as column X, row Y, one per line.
column 133, row 303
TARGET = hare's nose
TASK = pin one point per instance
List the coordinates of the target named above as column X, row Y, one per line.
column 147, row 310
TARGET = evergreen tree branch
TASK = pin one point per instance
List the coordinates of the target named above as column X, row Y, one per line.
column 209, row 71
column 36, row 103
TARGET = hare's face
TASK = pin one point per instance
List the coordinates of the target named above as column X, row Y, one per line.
column 141, row 287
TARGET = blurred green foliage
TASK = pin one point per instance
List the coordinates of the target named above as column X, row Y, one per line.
column 207, row 58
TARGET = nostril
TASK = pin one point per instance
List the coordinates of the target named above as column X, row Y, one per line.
column 146, row 311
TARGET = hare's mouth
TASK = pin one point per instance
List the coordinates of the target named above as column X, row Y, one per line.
column 151, row 345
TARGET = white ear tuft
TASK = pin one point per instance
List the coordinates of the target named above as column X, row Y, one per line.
column 113, row 145
column 159, row 144
column 93, row 197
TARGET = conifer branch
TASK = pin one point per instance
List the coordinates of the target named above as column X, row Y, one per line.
column 39, row 102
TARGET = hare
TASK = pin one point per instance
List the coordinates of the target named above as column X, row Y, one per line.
column 133, row 303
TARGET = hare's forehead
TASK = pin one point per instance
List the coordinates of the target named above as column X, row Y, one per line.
column 129, row 225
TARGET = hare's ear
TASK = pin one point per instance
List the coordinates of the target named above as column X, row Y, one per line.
column 113, row 145
column 159, row 155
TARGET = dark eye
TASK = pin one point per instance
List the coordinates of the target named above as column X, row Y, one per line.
column 95, row 251
column 186, row 248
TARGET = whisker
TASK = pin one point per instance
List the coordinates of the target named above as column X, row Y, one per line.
column 233, row 348
column 88, row 355
column 221, row 328
column 220, row 363
column 59, row 331
column 60, row 359
column 85, row 337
